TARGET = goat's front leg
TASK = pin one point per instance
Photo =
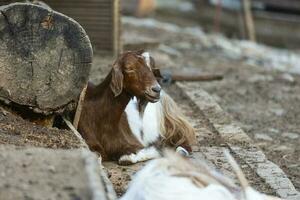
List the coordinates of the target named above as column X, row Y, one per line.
column 142, row 155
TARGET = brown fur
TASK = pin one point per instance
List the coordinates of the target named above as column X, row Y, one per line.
column 101, row 119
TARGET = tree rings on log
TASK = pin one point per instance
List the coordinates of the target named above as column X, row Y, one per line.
column 45, row 58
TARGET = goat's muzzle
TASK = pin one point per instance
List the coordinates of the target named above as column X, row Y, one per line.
column 153, row 93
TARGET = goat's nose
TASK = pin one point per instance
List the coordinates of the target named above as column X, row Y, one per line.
column 156, row 88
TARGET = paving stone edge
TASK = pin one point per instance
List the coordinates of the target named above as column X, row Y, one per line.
column 234, row 136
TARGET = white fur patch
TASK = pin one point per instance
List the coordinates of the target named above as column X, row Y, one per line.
column 251, row 194
column 160, row 179
column 155, row 181
column 134, row 120
column 140, row 156
column 145, row 128
column 146, row 56
column 151, row 123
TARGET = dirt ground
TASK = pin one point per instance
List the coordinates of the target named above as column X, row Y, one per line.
column 264, row 102
column 16, row 131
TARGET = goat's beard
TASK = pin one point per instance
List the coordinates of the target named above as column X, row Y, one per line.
column 142, row 103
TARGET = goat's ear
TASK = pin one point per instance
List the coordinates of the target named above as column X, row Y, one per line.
column 155, row 70
column 157, row 73
column 116, row 84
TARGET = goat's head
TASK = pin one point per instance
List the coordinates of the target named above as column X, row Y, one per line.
column 135, row 73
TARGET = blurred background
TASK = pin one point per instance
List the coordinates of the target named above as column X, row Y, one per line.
column 252, row 44
column 273, row 22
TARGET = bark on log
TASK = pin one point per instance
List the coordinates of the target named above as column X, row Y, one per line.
column 45, row 58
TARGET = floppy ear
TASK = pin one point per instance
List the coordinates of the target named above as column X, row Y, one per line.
column 116, row 84
column 157, row 73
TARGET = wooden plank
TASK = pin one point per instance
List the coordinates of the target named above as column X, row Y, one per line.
column 278, row 17
column 287, row 4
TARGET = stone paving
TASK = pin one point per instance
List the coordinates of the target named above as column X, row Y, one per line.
column 32, row 173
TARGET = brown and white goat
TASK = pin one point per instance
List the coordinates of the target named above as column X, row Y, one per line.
column 126, row 117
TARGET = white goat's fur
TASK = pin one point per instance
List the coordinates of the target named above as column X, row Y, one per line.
column 134, row 119
column 173, row 178
column 148, row 127
column 140, row 156
column 146, row 56
column 145, row 127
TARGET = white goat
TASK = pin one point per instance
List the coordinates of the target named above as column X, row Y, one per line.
column 175, row 178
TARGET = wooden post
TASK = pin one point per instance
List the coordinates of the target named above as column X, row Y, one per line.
column 217, row 17
column 241, row 24
column 248, row 18
column 116, row 28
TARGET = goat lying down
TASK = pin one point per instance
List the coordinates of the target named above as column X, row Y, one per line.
column 172, row 177
column 127, row 117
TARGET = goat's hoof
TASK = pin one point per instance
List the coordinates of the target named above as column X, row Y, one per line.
column 125, row 160
column 182, row 151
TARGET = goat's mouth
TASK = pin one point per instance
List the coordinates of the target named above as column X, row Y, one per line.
column 152, row 98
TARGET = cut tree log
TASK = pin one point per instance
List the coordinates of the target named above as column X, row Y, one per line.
column 45, row 58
